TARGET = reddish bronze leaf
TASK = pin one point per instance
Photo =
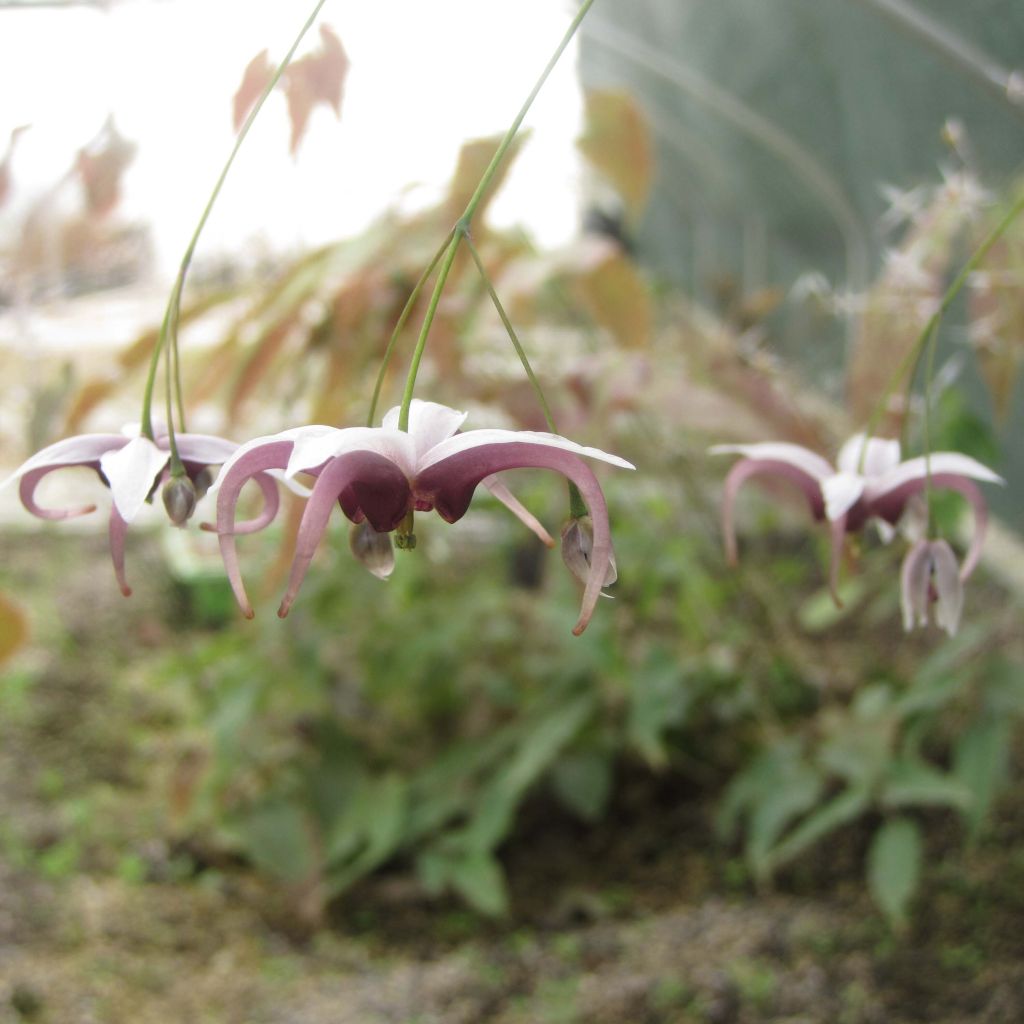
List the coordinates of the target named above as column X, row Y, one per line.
column 617, row 142
column 319, row 77
column 100, row 167
column 258, row 73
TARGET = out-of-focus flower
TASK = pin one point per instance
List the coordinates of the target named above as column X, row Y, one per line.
column 383, row 475
column 133, row 467
column 930, row 576
column 869, row 482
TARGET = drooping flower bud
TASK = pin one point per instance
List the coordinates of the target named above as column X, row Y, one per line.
column 373, row 549
column 930, row 575
column 577, row 545
column 179, row 495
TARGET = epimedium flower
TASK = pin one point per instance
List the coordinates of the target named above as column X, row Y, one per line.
column 381, row 476
column 868, row 483
column 930, row 576
column 132, row 467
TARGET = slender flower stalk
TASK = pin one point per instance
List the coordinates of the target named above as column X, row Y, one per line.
column 462, row 227
column 167, row 340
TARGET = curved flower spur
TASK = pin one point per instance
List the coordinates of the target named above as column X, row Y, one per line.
column 869, row 482
column 133, row 468
column 381, row 476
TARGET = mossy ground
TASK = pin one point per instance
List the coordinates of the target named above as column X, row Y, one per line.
column 111, row 911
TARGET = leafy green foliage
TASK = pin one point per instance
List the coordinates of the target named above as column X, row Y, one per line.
column 894, row 867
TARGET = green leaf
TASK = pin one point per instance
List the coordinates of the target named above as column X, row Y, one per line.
column 981, row 762
column 537, row 751
column 777, row 787
column 911, row 783
column 480, row 880
column 475, row 875
column 659, row 700
column 839, row 811
column 583, row 783
column 277, row 840
column 894, row 868
column 371, row 829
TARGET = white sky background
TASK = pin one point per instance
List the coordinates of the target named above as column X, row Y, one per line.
column 424, row 77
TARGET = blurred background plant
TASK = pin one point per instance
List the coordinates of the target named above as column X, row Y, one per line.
column 419, row 729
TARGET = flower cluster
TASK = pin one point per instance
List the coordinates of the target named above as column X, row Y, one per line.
column 870, row 483
column 134, row 468
column 379, row 476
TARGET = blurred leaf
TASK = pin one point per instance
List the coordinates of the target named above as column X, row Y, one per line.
column 775, row 788
column 820, row 611
column 894, row 868
column 480, row 879
column 614, row 294
column 319, row 77
column 257, row 74
column 839, row 811
column 100, row 167
column 13, row 628
column 536, row 753
column 659, row 700
column 617, row 142
column 474, row 157
column 912, row 783
column 370, row 829
column 583, row 783
column 981, row 762
column 859, row 742
column 474, row 874
column 276, row 837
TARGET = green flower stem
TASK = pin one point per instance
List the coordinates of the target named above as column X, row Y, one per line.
column 516, row 344
column 169, row 327
column 577, row 506
column 464, row 222
column 910, row 361
column 407, row 309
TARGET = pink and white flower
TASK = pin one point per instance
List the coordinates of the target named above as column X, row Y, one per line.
column 380, row 476
column 132, row 468
column 869, row 482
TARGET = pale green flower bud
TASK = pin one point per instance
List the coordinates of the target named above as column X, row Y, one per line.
column 179, row 495
column 577, row 545
column 373, row 549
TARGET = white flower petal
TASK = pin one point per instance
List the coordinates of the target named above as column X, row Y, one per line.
column 206, row 449
column 313, row 450
column 474, row 438
column 429, row 423
column 952, row 463
column 258, row 442
column 841, row 492
column 780, row 451
column 868, row 456
column 131, row 473
column 84, row 449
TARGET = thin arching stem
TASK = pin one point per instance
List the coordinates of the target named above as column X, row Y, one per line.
column 516, row 344
column 169, row 327
column 461, row 230
column 407, row 309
